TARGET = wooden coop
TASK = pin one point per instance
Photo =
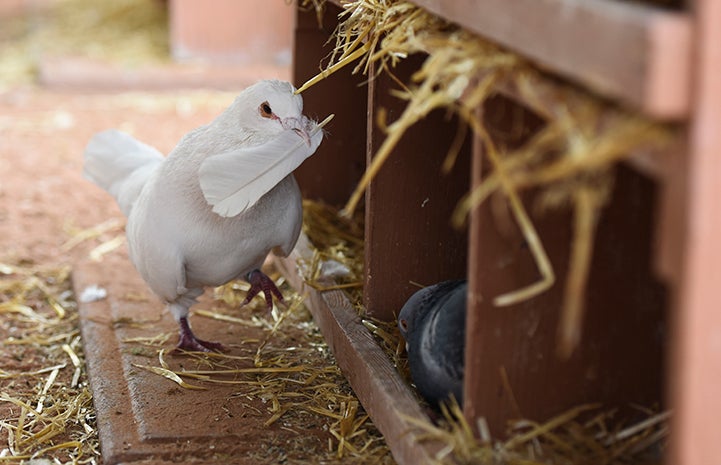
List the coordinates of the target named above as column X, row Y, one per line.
column 651, row 334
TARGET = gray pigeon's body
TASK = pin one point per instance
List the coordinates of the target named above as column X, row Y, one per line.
column 433, row 323
column 213, row 209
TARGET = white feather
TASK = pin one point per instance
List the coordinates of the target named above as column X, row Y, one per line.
column 234, row 181
column 120, row 164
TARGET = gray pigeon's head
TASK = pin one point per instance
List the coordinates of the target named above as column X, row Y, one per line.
column 410, row 311
column 418, row 306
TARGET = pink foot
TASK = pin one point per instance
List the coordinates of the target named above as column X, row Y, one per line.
column 189, row 342
column 259, row 281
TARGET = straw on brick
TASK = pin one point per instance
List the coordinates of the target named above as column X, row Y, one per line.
column 295, row 380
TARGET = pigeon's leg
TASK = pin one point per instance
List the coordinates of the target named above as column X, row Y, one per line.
column 259, row 281
column 189, row 342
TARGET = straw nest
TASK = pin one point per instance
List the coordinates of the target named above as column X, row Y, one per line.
column 586, row 434
column 570, row 161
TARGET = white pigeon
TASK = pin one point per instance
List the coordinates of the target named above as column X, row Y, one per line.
column 213, row 209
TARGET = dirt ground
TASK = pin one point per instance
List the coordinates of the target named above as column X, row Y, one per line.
column 43, row 196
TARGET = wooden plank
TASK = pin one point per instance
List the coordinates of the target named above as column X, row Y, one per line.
column 333, row 171
column 696, row 353
column 473, row 380
column 374, row 379
column 145, row 419
column 409, row 238
column 622, row 50
column 512, row 368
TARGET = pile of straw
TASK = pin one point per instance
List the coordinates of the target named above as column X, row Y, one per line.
column 45, row 406
column 46, row 409
column 586, row 434
column 337, row 261
column 570, row 161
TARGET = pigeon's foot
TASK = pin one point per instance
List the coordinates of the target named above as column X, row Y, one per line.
column 188, row 341
column 259, row 281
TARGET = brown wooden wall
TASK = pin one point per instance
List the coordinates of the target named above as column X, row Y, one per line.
column 620, row 360
column 511, row 364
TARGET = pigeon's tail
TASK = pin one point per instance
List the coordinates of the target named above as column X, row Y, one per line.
column 120, row 164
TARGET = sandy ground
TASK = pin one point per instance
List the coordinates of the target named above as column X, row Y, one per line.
column 43, row 197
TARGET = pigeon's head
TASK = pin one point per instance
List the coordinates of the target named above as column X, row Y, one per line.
column 271, row 107
column 418, row 306
column 410, row 312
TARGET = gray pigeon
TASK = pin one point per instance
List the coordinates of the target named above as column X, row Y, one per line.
column 433, row 323
column 212, row 209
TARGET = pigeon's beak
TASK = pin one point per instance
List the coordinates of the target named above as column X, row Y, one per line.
column 299, row 126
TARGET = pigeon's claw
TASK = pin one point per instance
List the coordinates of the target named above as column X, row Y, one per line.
column 259, row 281
column 188, row 341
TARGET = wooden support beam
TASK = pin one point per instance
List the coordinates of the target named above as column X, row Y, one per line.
column 695, row 222
column 409, row 238
column 512, row 369
column 627, row 51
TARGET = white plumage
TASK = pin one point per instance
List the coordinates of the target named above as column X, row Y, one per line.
column 233, row 181
column 214, row 208
column 120, row 164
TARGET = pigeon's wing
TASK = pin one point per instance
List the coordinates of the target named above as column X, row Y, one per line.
column 234, row 181
column 450, row 332
column 436, row 352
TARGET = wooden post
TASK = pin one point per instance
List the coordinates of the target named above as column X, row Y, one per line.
column 696, row 358
column 512, row 369
column 409, row 238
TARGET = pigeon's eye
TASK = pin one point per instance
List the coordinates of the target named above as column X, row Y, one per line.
column 404, row 325
column 265, row 110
